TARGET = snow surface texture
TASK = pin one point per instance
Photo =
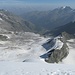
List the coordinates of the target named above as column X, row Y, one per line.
column 35, row 68
column 25, row 47
column 20, row 55
column 70, row 59
column 22, row 47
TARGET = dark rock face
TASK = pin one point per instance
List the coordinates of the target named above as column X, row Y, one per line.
column 57, row 55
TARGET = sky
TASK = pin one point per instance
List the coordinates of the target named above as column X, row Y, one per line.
column 54, row 2
column 35, row 3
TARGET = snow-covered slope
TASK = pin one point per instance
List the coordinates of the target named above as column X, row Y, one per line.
column 22, row 47
column 35, row 68
column 20, row 55
column 28, row 47
column 70, row 59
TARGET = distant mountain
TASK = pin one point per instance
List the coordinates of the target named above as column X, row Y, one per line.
column 69, row 28
column 48, row 20
column 11, row 22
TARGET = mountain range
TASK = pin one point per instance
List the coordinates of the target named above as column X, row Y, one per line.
column 69, row 28
column 48, row 20
column 11, row 22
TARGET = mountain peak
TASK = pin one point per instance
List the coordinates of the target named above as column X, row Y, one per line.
column 66, row 7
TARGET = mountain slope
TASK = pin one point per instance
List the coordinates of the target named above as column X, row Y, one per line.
column 69, row 28
column 51, row 19
column 12, row 22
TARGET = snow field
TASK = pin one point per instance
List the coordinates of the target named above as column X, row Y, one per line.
column 35, row 68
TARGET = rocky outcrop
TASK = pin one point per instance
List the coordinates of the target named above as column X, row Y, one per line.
column 3, row 38
column 56, row 55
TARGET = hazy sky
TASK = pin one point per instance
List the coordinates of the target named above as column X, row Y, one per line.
column 45, row 3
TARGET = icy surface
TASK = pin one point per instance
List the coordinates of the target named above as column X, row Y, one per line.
column 58, row 44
